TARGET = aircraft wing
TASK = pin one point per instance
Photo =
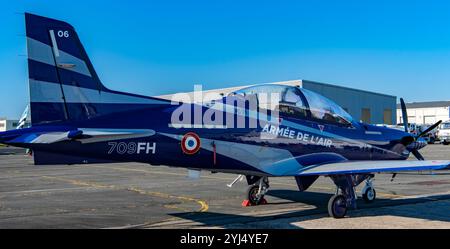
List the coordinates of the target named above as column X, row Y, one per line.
column 332, row 164
column 361, row 167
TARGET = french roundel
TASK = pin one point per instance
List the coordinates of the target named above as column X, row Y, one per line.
column 190, row 143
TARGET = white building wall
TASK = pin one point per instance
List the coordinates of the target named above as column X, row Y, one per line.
column 6, row 124
column 425, row 115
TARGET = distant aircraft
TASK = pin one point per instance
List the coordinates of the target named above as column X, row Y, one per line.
column 23, row 118
column 77, row 120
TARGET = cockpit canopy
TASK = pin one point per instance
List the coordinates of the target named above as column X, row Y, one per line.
column 297, row 103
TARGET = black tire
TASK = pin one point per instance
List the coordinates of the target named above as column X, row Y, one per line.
column 337, row 206
column 369, row 195
column 251, row 193
column 445, row 143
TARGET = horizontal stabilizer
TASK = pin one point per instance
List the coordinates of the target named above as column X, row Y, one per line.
column 84, row 135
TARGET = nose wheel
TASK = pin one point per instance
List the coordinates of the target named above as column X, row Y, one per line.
column 369, row 195
column 368, row 192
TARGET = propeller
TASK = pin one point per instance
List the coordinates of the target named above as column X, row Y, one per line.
column 413, row 150
column 423, row 133
column 417, row 154
column 404, row 115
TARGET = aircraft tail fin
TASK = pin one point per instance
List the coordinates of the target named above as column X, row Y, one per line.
column 63, row 83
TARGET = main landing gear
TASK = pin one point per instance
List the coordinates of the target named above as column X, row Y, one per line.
column 345, row 196
column 258, row 187
column 337, row 206
column 256, row 191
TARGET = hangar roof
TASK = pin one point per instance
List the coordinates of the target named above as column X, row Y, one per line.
column 428, row 104
column 298, row 82
column 348, row 88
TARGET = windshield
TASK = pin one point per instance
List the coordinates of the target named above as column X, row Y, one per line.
column 324, row 108
column 286, row 99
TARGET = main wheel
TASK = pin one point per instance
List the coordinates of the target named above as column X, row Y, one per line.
column 337, row 206
column 369, row 195
column 252, row 195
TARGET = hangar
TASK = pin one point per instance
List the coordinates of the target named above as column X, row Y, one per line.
column 425, row 112
column 369, row 107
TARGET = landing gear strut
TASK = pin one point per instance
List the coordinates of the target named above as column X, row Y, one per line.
column 255, row 192
column 345, row 196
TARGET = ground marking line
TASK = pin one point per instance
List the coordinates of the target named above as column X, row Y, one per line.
column 42, row 190
column 203, row 205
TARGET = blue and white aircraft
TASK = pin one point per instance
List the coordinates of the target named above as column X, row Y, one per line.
column 77, row 120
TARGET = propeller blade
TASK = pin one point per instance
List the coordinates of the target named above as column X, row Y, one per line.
column 417, row 154
column 429, row 129
column 404, row 115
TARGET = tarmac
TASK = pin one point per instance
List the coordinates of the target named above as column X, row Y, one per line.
column 132, row 195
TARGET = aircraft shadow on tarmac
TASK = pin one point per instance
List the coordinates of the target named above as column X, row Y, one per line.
column 319, row 200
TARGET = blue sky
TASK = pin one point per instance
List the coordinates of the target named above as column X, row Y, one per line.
column 153, row 48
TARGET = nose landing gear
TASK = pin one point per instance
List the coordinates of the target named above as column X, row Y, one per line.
column 368, row 192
